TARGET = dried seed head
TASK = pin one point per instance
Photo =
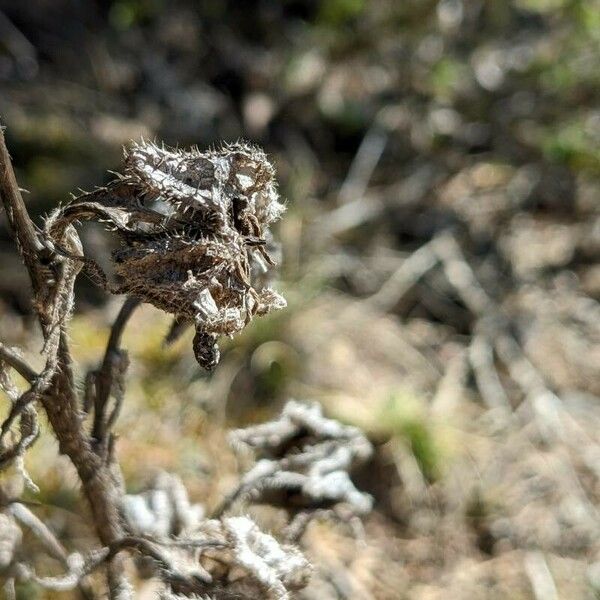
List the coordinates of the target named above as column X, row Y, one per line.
column 194, row 235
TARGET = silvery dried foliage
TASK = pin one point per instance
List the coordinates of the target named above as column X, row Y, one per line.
column 225, row 558
column 12, row 451
column 163, row 510
column 193, row 231
column 10, row 540
column 233, row 558
column 304, row 460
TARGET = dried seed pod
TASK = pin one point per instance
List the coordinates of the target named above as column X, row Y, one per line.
column 193, row 230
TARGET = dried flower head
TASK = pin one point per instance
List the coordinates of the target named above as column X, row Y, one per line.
column 305, row 460
column 193, row 229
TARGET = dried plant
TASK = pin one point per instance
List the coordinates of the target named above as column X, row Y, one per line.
column 237, row 560
column 304, row 462
column 193, row 231
column 163, row 510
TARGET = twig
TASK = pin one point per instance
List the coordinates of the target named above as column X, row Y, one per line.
column 79, row 566
column 481, row 359
column 542, row 583
column 26, row 237
column 450, row 389
column 29, row 432
column 40, row 530
column 404, row 278
column 55, row 385
column 367, row 156
column 347, row 216
column 12, row 358
column 106, row 378
column 54, row 548
column 28, row 427
column 461, row 275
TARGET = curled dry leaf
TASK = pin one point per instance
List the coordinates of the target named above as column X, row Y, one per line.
column 193, row 229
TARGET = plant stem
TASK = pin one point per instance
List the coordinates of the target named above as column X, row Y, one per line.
column 60, row 401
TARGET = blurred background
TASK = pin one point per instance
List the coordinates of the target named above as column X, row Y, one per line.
column 440, row 161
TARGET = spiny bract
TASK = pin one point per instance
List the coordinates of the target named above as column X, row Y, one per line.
column 194, row 235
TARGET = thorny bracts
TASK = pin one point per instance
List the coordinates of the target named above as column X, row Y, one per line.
column 193, row 229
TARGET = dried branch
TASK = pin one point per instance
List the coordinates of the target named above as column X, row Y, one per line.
column 26, row 236
column 481, row 358
column 194, row 233
column 13, row 358
column 28, row 430
column 404, row 278
column 365, row 161
column 53, row 277
column 24, row 516
column 17, row 513
column 108, row 381
column 494, row 325
column 79, row 566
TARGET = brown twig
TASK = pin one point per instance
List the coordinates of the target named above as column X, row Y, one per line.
column 12, row 358
column 55, row 386
column 106, row 378
column 26, row 236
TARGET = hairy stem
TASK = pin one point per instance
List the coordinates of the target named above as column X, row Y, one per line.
column 18, row 218
column 17, row 363
column 105, row 376
column 60, row 401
